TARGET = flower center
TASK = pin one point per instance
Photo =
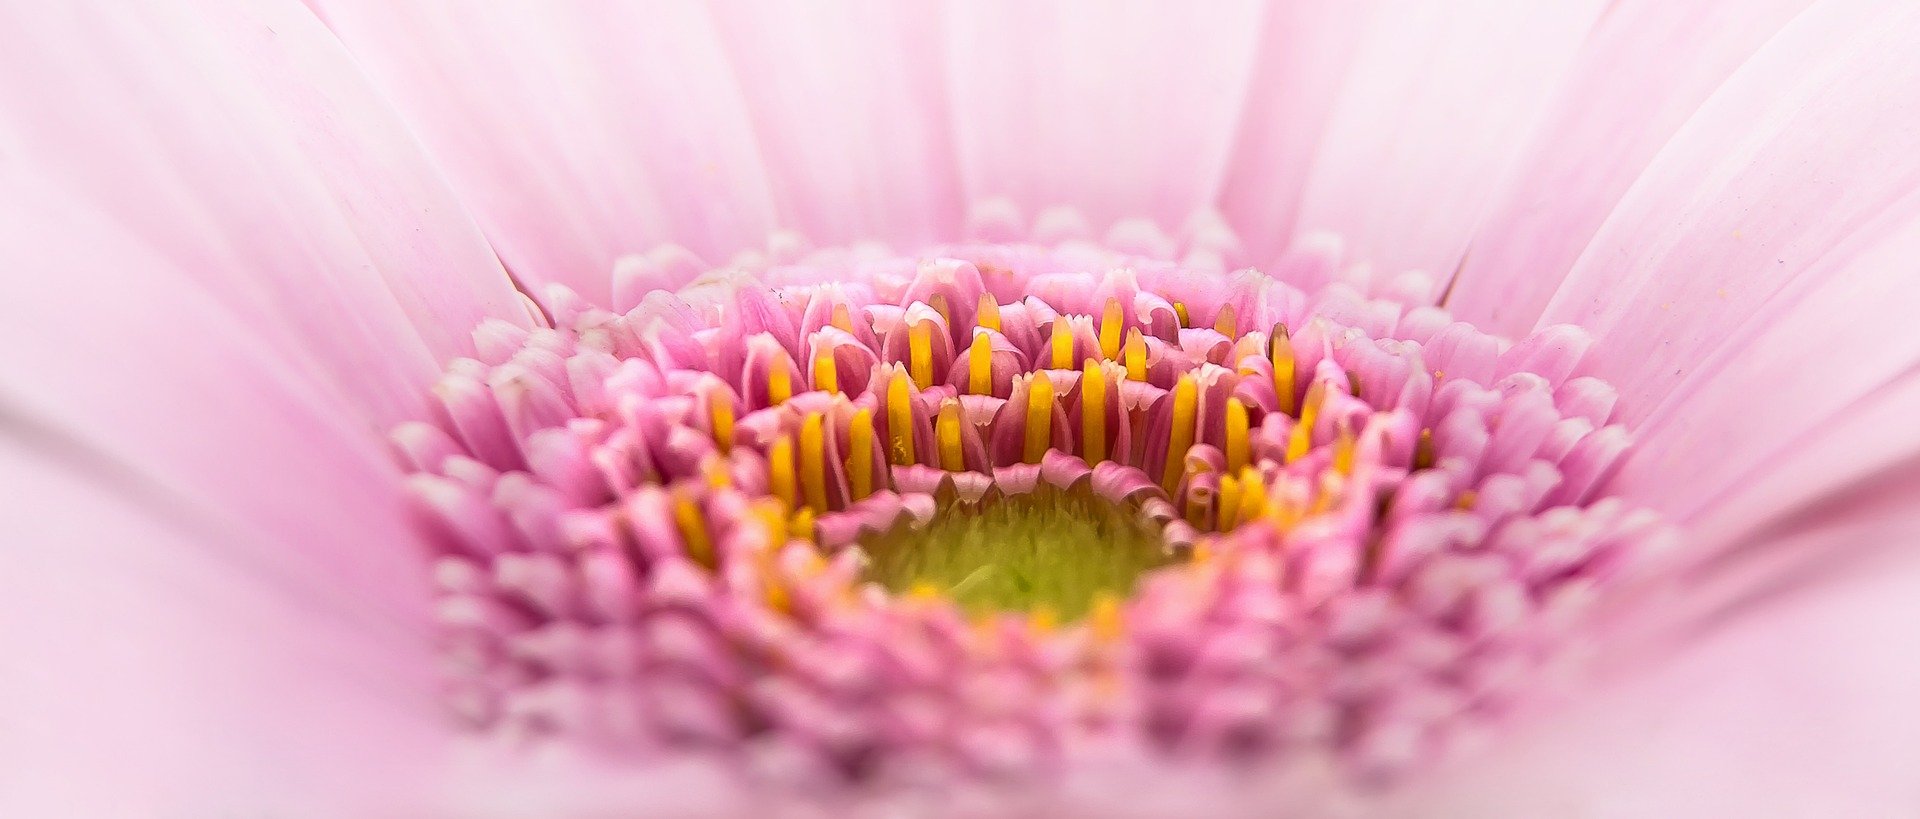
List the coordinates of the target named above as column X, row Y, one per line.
column 1050, row 553
column 851, row 510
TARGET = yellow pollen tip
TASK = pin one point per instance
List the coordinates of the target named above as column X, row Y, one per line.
column 1136, row 355
column 1062, row 343
column 1093, row 413
column 988, row 314
column 1105, row 618
column 1226, row 324
column 1424, row 455
column 1180, row 312
column 860, row 454
column 780, row 470
column 1186, row 395
column 938, row 302
column 1229, row 503
column 1301, row 441
column 980, row 365
column 772, row 515
column 1039, row 417
column 693, row 530
column 779, row 382
column 720, row 415
column 715, row 469
column 1281, row 355
column 1237, row 435
column 802, row 524
column 1253, row 495
column 920, row 353
column 1343, row 446
column 841, row 318
column 826, row 376
column 1044, row 620
column 947, row 434
column 1110, row 327
column 900, row 420
column 813, row 461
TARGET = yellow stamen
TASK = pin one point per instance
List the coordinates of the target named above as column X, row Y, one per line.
column 772, row 515
column 1343, row 450
column 900, row 420
column 1302, row 439
column 938, row 302
column 1253, row 495
column 1180, row 312
column 947, row 434
column 920, row 353
column 1039, row 416
column 1237, row 445
column 1044, row 620
column 1136, row 355
column 716, row 471
column 1282, row 357
column 1093, row 413
column 1062, row 343
column 779, row 383
column 1466, row 500
column 1226, row 324
column 841, row 318
column 693, row 530
column 1110, row 326
column 780, row 470
column 802, row 524
column 988, row 314
column 980, row 365
column 813, row 461
column 1424, row 454
column 860, row 454
column 826, row 376
column 1180, row 434
column 720, row 411
column 1105, row 618
column 1229, row 503
column 925, row 592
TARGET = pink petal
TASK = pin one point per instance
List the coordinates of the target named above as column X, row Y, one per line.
column 1437, row 100
column 1305, row 51
column 264, row 171
column 577, row 135
column 1741, row 293
column 850, row 114
column 1801, row 705
column 1642, row 74
column 169, row 656
column 212, row 314
column 1120, row 109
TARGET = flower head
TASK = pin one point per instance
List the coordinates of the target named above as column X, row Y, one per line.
column 1072, row 502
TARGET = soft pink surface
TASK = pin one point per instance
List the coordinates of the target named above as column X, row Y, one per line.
column 235, row 251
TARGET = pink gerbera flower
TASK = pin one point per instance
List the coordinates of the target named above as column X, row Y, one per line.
column 705, row 410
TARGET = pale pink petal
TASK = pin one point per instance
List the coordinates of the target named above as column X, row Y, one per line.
column 242, row 147
column 149, row 672
column 1746, row 289
column 1436, row 102
column 1646, row 69
column 576, row 134
column 1804, row 397
column 848, row 102
column 1300, row 67
column 215, row 604
column 1119, row 109
column 1799, row 703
